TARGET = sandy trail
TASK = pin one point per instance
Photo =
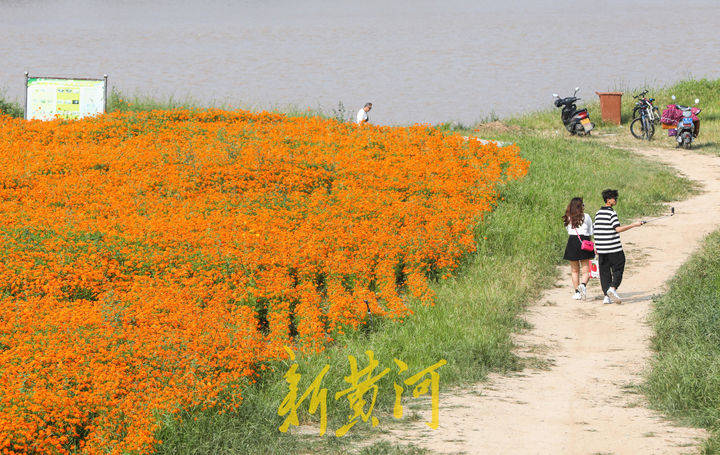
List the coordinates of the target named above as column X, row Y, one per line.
column 584, row 403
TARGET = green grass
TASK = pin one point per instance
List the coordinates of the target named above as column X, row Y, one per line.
column 123, row 102
column 520, row 245
column 10, row 108
column 684, row 380
column 116, row 101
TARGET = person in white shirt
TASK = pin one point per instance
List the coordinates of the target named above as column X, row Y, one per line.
column 579, row 227
column 362, row 115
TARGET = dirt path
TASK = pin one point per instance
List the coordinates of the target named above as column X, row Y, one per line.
column 585, row 403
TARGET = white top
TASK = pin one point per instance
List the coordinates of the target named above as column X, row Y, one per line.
column 584, row 229
column 362, row 116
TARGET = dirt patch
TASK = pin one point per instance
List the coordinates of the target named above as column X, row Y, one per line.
column 496, row 127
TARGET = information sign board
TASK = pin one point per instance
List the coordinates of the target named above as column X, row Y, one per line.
column 47, row 98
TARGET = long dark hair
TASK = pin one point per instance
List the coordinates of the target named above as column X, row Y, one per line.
column 574, row 213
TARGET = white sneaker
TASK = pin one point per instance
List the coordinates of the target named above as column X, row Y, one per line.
column 577, row 296
column 606, row 300
column 614, row 296
column 583, row 291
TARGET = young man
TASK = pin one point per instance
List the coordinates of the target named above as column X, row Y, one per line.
column 362, row 116
column 611, row 258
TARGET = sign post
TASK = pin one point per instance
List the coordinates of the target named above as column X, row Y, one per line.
column 26, row 101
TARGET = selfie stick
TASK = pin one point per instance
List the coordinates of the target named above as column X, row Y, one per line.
column 672, row 212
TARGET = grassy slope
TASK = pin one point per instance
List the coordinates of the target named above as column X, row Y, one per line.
column 685, row 376
column 520, row 245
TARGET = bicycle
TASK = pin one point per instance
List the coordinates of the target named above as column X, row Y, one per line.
column 645, row 116
column 644, row 101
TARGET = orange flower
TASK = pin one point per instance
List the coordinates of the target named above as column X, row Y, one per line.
column 149, row 261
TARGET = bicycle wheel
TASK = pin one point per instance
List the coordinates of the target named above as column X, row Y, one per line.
column 636, row 128
column 648, row 128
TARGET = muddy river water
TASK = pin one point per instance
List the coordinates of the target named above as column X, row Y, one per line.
column 416, row 60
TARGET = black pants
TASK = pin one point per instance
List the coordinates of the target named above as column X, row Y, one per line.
column 611, row 267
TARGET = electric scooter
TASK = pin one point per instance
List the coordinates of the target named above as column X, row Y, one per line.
column 576, row 121
column 682, row 122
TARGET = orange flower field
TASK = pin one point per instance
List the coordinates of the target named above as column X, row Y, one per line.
column 151, row 262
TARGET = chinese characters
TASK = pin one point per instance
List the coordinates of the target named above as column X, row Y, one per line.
column 361, row 392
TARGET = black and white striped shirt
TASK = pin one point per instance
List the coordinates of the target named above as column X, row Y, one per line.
column 607, row 239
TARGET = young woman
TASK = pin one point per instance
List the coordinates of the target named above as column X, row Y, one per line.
column 579, row 227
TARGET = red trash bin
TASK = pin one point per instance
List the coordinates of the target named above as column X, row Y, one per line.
column 610, row 106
